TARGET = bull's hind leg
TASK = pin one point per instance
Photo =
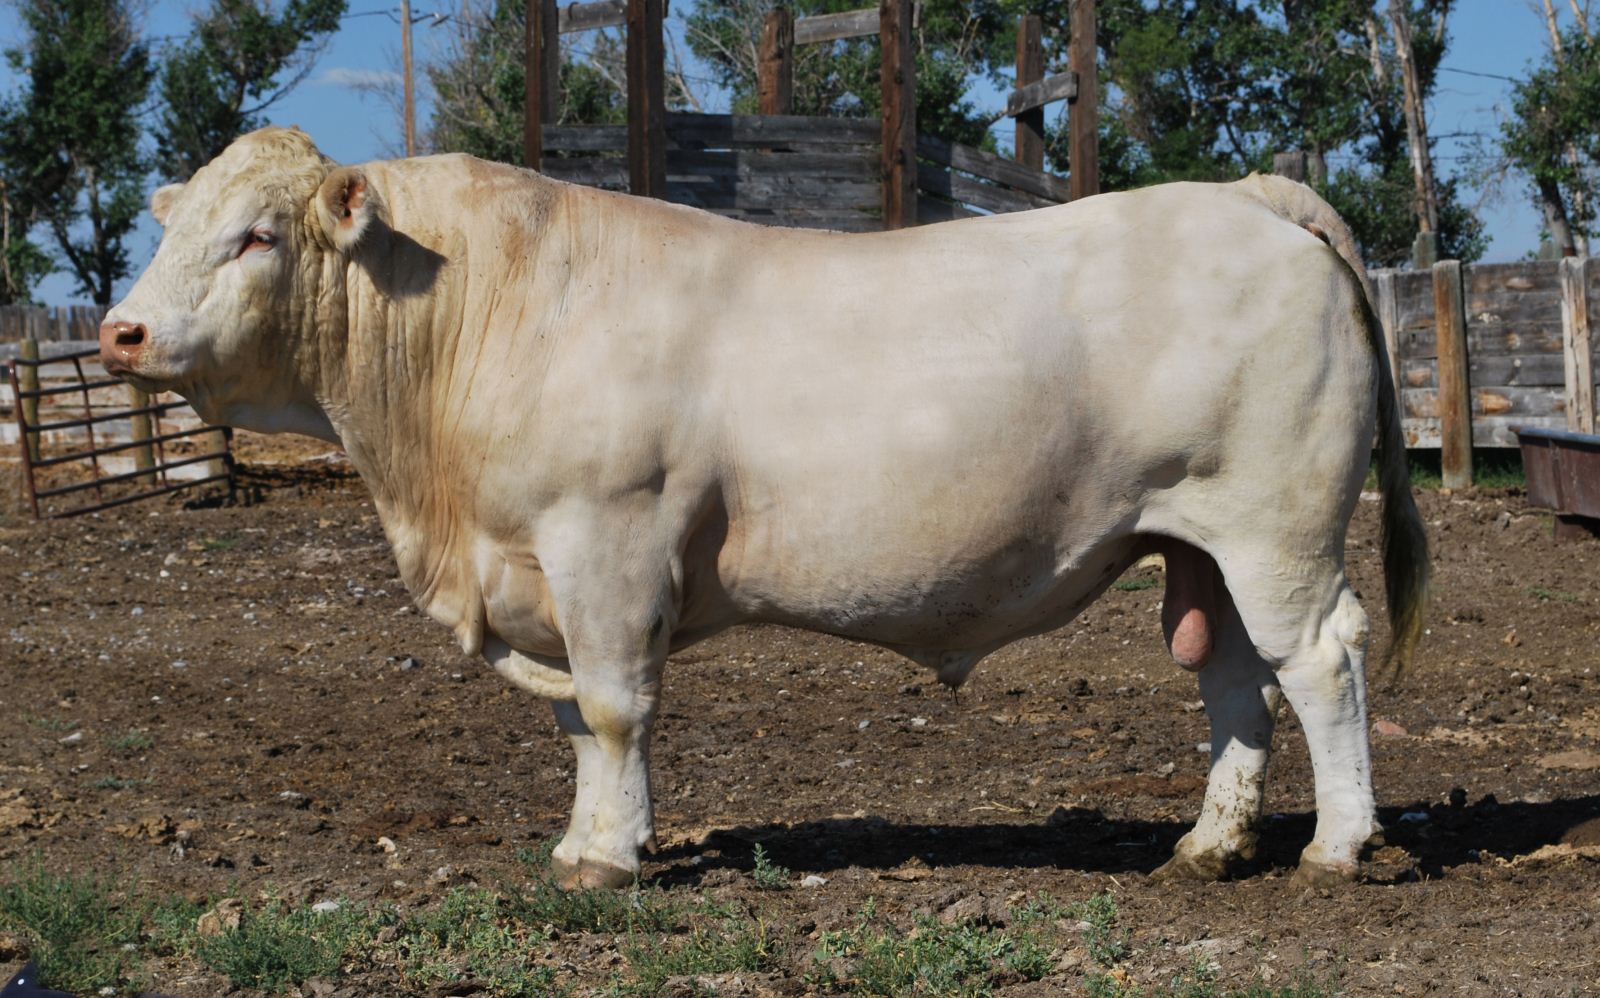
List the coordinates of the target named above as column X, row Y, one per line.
column 1308, row 622
column 1242, row 698
column 1325, row 682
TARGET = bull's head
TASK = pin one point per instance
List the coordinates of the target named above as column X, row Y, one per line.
column 245, row 297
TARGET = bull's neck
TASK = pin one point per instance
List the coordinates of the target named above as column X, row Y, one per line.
column 422, row 296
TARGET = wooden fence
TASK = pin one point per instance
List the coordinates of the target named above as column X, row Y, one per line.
column 50, row 324
column 807, row 172
column 1482, row 348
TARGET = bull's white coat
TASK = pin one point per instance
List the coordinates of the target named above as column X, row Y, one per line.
column 598, row 428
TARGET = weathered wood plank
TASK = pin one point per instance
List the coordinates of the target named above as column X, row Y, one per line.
column 1486, row 432
column 1057, row 86
column 1453, row 402
column 991, row 167
column 1487, row 338
column 834, row 27
column 1531, row 371
column 586, row 138
column 1577, row 346
column 1424, row 403
column 957, row 187
column 930, row 209
column 726, row 130
column 589, row 16
column 750, row 163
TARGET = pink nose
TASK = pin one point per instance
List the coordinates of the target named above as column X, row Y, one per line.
column 120, row 345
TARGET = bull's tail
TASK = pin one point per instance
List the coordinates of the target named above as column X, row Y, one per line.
column 1404, row 542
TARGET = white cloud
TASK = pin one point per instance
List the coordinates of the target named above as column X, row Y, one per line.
column 359, row 79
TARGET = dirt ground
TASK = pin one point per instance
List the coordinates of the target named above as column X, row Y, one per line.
column 242, row 699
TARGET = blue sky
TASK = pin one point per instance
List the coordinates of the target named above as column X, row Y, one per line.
column 1493, row 37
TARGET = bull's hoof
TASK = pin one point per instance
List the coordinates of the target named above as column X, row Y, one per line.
column 589, row 875
column 1204, row 867
column 1324, row 876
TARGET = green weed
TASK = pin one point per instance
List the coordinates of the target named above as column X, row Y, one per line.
column 49, row 723
column 769, row 876
column 934, row 959
column 718, row 949
column 1106, row 945
column 130, row 742
column 277, row 946
column 76, row 927
column 1136, row 583
column 1546, row 595
column 113, row 783
column 219, row 543
column 639, row 910
column 470, row 935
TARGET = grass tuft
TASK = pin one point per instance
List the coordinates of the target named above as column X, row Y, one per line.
column 277, row 946
column 77, row 928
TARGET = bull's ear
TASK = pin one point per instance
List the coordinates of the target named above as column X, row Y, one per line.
column 346, row 205
column 161, row 202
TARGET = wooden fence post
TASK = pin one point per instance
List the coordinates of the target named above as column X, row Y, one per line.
column 28, row 381
column 647, row 100
column 1030, row 69
column 775, row 72
column 144, row 457
column 1455, row 394
column 1577, row 346
column 1083, row 116
column 1291, row 165
column 541, row 68
column 898, row 77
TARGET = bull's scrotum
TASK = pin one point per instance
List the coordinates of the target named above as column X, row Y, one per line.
column 599, row 428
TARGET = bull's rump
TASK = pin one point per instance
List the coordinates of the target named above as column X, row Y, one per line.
column 949, row 435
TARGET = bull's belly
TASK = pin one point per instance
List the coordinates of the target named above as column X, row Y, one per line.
column 946, row 615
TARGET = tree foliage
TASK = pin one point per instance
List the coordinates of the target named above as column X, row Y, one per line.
column 1552, row 135
column 1210, row 89
column 71, row 160
column 240, row 59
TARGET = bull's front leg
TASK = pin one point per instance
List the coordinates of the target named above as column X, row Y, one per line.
column 617, row 629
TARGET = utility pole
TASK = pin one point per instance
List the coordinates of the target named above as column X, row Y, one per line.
column 1425, row 204
column 405, row 59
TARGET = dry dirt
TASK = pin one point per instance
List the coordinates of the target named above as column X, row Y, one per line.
column 252, row 685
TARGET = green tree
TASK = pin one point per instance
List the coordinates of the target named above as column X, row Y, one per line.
column 1210, row 89
column 241, row 58
column 1552, row 136
column 72, row 146
column 22, row 262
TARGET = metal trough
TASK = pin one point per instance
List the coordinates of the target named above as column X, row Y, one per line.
column 1563, row 470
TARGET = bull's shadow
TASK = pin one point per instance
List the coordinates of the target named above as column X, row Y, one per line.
column 1086, row 840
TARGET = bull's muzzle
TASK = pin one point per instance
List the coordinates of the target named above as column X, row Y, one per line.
column 120, row 346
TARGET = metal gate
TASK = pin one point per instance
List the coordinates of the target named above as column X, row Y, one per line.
column 54, row 398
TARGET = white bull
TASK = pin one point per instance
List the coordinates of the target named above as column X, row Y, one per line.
column 599, row 428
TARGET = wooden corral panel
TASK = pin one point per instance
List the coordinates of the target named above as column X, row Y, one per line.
column 1514, row 340
column 799, row 171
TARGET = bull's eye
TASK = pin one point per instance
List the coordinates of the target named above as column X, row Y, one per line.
column 257, row 239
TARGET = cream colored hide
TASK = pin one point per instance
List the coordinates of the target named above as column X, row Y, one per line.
column 599, row 428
